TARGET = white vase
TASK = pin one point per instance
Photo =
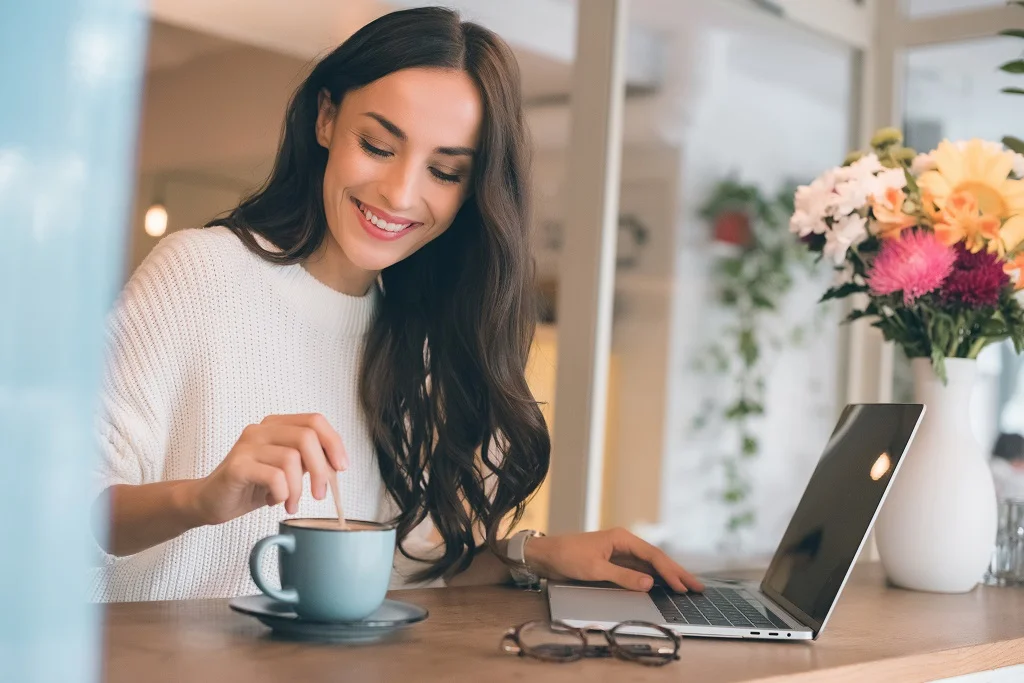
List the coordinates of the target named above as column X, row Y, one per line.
column 936, row 531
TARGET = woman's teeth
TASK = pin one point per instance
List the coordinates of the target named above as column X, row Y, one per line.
column 383, row 224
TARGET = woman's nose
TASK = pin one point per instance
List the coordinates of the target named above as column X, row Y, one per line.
column 399, row 186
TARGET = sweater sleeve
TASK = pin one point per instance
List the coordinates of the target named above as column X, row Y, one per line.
column 150, row 336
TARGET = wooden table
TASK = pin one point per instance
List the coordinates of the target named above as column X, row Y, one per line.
column 876, row 634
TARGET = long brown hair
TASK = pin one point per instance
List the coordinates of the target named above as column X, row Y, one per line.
column 458, row 435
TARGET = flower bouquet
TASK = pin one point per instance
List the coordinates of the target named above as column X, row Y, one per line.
column 933, row 247
column 934, row 240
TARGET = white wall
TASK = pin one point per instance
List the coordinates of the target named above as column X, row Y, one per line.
column 957, row 85
column 219, row 115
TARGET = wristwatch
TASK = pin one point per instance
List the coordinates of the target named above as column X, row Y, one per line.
column 523, row 576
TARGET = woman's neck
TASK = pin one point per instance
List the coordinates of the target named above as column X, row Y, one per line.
column 330, row 266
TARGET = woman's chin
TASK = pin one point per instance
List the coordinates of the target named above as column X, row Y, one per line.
column 372, row 257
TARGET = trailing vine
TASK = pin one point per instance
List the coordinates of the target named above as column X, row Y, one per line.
column 751, row 278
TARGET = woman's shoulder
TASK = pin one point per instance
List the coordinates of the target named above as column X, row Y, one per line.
column 195, row 246
column 196, row 255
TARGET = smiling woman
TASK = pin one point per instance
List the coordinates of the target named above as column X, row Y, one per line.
column 368, row 310
column 400, row 163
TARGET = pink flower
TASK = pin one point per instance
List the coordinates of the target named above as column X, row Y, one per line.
column 915, row 264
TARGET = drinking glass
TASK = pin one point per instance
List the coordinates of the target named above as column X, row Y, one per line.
column 1007, row 565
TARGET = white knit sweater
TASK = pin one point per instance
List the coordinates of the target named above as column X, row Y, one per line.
column 205, row 339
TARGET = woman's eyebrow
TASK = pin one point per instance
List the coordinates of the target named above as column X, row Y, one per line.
column 391, row 128
column 400, row 134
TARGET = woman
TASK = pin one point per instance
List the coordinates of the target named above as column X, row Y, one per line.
column 368, row 311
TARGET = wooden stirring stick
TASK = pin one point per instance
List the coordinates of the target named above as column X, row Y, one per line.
column 332, row 481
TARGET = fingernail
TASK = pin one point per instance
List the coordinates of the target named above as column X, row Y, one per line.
column 647, row 583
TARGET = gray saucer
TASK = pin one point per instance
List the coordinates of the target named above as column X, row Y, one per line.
column 390, row 617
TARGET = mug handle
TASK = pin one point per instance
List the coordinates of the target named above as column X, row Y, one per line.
column 285, row 543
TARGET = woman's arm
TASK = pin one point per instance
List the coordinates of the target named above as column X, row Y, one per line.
column 266, row 466
column 140, row 517
column 613, row 555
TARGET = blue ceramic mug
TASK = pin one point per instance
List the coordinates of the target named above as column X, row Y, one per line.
column 329, row 573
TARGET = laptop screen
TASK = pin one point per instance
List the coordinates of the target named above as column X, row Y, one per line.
column 837, row 508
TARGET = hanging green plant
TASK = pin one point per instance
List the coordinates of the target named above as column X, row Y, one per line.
column 751, row 278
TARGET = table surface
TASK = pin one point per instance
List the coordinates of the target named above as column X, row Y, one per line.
column 876, row 633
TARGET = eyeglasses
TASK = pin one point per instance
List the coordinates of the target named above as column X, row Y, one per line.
column 556, row 641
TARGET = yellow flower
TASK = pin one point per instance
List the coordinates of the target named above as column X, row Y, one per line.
column 889, row 215
column 961, row 220
column 982, row 170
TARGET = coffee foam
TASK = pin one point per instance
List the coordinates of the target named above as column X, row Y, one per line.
column 331, row 524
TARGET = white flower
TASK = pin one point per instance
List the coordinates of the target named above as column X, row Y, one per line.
column 860, row 171
column 1018, row 165
column 845, row 233
column 812, row 203
column 894, row 178
column 803, row 224
column 862, row 179
column 850, row 196
column 922, row 163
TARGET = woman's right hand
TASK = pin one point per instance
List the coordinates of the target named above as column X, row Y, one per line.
column 266, row 467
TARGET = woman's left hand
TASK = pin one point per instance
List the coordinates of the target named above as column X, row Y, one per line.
column 614, row 555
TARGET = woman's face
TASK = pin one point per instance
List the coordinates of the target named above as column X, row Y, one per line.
column 400, row 154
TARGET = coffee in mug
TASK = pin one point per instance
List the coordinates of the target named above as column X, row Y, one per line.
column 329, row 573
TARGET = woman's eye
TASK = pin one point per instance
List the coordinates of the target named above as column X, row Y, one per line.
column 373, row 151
column 445, row 177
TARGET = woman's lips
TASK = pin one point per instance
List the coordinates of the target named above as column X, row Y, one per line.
column 373, row 230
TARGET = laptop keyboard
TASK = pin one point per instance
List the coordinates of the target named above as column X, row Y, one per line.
column 714, row 607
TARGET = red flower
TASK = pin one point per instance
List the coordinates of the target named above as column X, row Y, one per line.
column 976, row 281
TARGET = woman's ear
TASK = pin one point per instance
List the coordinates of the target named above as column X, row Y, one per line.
column 327, row 112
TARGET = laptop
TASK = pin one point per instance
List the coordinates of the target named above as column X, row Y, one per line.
column 813, row 560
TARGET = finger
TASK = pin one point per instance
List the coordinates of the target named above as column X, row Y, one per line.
column 269, row 478
column 289, row 461
column 330, row 441
column 672, row 572
column 314, row 460
column 627, row 578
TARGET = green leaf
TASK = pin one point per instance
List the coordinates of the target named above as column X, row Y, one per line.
column 732, row 267
column 749, row 348
column 743, row 408
column 842, row 291
column 1014, row 67
column 734, row 495
column 749, row 445
column 741, row 520
column 1016, row 144
column 1013, row 32
column 857, row 315
column 1012, row 91
column 761, row 301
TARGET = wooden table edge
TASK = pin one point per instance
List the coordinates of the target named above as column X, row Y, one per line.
column 919, row 668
